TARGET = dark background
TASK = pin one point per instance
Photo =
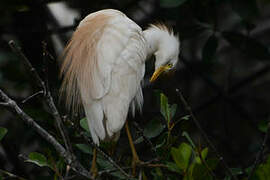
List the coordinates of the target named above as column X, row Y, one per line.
column 223, row 71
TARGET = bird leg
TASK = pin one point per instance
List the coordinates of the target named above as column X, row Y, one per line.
column 135, row 157
column 94, row 170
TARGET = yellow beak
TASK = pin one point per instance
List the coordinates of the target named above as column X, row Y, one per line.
column 159, row 71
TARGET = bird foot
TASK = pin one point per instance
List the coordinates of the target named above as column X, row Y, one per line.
column 135, row 162
column 94, row 170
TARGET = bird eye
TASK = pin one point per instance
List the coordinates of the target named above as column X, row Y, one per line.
column 170, row 65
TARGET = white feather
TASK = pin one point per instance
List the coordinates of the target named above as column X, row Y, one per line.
column 104, row 66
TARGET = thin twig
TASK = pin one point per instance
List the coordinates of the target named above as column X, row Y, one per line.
column 259, row 154
column 32, row 96
column 3, row 104
column 46, row 91
column 19, row 52
column 69, row 157
column 10, row 175
column 106, row 156
column 188, row 108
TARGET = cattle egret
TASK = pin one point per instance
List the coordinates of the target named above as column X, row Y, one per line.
column 104, row 64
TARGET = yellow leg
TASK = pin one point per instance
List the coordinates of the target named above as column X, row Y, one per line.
column 135, row 157
column 94, row 169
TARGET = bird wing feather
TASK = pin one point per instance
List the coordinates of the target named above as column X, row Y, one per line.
column 102, row 45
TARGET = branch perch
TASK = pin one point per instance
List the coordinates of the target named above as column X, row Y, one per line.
column 69, row 158
column 46, row 93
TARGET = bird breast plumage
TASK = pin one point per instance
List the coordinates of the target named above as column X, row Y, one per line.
column 111, row 52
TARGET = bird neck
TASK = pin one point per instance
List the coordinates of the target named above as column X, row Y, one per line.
column 153, row 38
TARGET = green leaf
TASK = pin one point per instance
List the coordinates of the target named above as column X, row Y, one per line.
column 38, row 159
column 262, row 171
column 104, row 163
column 263, row 126
column 186, row 135
column 3, row 132
column 181, row 155
column 84, row 124
column 171, row 3
column 204, row 153
column 209, row 49
column 249, row 46
column 198, row 159
column 153, row 128
column 173, row 109
column 164, row 107
column 173, row 167
column 200, row 172
column 84, row 148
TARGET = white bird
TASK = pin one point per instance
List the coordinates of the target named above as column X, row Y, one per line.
column 104, row 64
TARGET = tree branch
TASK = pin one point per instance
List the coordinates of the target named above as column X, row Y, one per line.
column 69, row 158
column 46, row 92
column 32, row 96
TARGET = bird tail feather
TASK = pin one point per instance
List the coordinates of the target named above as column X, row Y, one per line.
column 94, row 114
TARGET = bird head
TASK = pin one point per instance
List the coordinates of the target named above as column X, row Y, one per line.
column 166, row 54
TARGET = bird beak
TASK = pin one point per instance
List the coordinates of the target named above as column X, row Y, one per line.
column 159, row 71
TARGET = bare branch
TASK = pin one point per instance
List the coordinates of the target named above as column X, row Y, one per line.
column 10, row 175
column 69, row 158
column 19, row 52
column 48, row 97
column 4, row 104
column 32, row 96
column 196, row 122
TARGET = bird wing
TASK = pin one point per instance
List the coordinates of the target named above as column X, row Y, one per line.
column 100, row 45
column 87, row 66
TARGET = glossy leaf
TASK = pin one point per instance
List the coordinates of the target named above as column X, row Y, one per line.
column 3, row 132
column 209, row 49
column 84, row 124
column 38, row 159
column 153, row 128
column 249, row 46
column 171, row 3
column 182, row 155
